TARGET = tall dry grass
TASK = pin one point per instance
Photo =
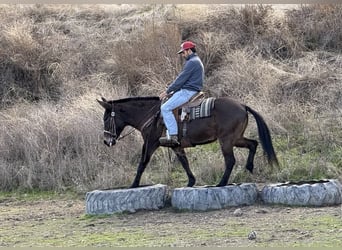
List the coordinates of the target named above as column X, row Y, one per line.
column 57, row 59
column 51, row 146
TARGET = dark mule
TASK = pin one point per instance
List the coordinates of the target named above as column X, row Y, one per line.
column 227, row 123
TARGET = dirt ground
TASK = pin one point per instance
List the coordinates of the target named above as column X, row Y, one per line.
column 63, row 222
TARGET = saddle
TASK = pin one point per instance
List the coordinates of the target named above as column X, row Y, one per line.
column 183, row 112
column 197, row 107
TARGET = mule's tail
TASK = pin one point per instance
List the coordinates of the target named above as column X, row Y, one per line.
column 265, row 137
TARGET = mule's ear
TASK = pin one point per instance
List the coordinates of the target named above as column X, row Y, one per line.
column 103, row 99
column 104, row 104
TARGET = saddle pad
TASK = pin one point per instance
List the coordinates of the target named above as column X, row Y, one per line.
column 202, row 110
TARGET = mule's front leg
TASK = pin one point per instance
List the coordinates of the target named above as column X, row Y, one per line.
column 185, row 163
column 140, row 171
column 146, row 154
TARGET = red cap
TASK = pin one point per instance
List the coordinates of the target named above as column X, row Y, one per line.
column 186, row 45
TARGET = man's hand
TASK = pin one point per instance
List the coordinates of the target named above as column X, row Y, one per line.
column 163, row 95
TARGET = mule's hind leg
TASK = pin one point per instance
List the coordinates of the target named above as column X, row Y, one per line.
column 229, row 159
column 185, row 163
column 252, row 146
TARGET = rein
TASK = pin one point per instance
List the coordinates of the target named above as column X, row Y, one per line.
column 149, row 120
column 128, row 133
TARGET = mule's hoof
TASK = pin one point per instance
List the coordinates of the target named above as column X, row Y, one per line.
column 191, row 183
column 220, row 185
column 250, row 168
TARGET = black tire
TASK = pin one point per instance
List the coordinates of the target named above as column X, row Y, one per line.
column 310, row 193
column 210, row 198
column 126, row 200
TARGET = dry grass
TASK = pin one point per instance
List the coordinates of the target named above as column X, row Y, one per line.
column 57, row 59
column 318, row 26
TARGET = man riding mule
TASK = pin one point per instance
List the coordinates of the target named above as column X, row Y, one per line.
column 221, row 119
column 188, row 83
column 227, row 123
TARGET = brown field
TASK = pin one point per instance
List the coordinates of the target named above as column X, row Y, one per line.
column 61, row 221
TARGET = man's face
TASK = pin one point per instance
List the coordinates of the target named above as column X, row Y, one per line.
column 185, row 53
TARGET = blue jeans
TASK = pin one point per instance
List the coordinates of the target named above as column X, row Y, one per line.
column 178, row 98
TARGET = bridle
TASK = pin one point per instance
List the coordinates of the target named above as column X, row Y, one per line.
column 112, row 130
column 112, row 127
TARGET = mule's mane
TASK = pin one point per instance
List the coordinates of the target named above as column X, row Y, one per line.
column 137, row 98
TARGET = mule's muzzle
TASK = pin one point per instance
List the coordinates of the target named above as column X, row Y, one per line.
column 109, row 138
column 109, row 142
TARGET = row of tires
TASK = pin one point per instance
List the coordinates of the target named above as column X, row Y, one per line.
column 312, row 193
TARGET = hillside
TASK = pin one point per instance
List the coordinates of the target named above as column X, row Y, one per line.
column 57, row 59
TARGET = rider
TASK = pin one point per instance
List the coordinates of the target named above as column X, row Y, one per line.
column 188, row 83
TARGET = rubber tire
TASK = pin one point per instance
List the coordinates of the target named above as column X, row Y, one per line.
column 311, row 193
column 211, row 198
column 126, row 200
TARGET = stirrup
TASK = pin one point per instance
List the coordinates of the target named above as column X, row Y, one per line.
column 169, row 142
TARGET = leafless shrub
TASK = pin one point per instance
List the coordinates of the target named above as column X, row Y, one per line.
column 147, row 59
column 312, row 80
column 255, row 27
column 317, row 26
column 242, row 75
column 27, row 64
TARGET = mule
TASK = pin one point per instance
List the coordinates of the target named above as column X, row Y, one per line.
column 227, row 124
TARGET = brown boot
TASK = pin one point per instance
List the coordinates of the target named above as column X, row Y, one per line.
column 169, row 142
